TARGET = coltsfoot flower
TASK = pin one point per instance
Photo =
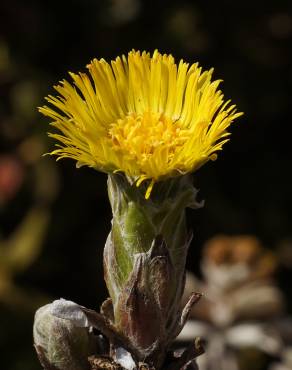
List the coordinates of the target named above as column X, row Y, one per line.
column 143, row 119
column 142, row 115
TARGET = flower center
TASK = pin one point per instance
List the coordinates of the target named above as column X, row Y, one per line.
column 143, row 135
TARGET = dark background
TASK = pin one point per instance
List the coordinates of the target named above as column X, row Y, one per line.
column 247, row 190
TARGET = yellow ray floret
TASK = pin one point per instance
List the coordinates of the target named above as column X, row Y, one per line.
column 142, row 115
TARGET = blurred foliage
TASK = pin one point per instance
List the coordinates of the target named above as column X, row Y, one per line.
column 247, row 190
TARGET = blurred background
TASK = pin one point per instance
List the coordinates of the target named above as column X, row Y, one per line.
column 54, row 219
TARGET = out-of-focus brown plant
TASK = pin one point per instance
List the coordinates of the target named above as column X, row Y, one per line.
column 241, row 302
column 235, row 270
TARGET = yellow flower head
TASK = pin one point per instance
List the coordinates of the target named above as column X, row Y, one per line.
column 144, row 116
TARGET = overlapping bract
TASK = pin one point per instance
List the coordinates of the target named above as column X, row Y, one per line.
column 142, row 115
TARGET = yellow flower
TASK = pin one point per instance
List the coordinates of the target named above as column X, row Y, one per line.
column 144, row 116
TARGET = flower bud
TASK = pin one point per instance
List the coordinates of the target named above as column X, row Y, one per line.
column 59, row 342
